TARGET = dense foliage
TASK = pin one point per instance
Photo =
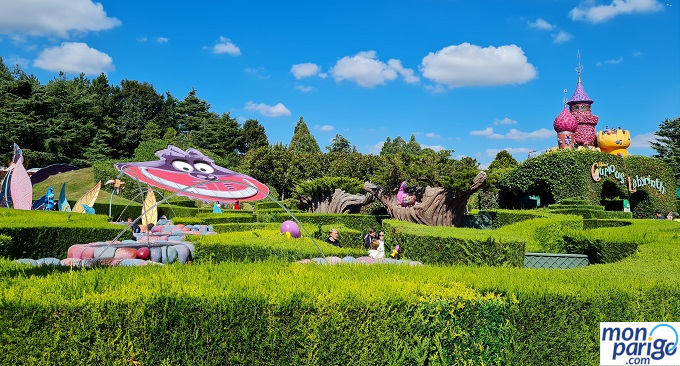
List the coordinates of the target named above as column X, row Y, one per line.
column 567, row 173
column 81, row 120
column 302, row 140
column 325, row 186
column 667, row 144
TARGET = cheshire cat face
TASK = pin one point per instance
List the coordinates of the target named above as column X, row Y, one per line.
column 178, row 169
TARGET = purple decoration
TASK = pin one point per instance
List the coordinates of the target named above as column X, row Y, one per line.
column 291, row 227
column 580, row 95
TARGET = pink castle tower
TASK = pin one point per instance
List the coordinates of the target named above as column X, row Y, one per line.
column 565, row 125
column 579, row 106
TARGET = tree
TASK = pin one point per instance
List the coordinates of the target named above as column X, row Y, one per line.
column 192, row 113
column 332, row 195
column 503, row 160
column 302, row 140
column 667, row 145
column 221, row 135
column 151, row 131
column 339, row 144
column 399, row 146
column 442, row 200
column 253, row 135
column 501, row 165
column 98, row 149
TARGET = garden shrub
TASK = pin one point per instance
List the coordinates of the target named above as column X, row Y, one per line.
column 261, row 245
column 500, row 218
column 349, row 238
column 258, row 313
column 449, row 245
column 599, row 248
column 135, row 210
column 593, row 214
column 40, row 234
column 312, row 229
column 542, row 234
column 557, row 206
column 566, row 174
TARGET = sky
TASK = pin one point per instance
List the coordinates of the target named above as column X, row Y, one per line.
column 475, row 77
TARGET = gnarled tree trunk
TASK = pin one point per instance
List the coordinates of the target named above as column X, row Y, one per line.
column 437, row 206
column 339, row 202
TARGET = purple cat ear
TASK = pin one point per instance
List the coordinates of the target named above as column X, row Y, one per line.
column 170, row 151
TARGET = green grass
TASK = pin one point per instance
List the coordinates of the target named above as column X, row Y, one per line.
column 78, row 182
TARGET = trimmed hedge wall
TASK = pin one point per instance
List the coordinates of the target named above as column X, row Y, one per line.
column 353, row 221
column 594, row 214
column 264, row 314
column 223, row 218
column 40, row 234
column 250, row 246
column 500, row 218
column 598, row 223
column 349, row 238
column 602, row 249
column 448, row 245
column 564, row 174
column 135, row 210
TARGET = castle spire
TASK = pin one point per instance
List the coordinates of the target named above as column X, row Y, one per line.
column 580, row 95
column 579, row 68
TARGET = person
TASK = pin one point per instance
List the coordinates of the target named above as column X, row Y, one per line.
column 133, row 226
column 333, row 238
column 381, row 245
column 660, row 216
column 670, row 216
column 369, row 238
column 374, row 252
column 236, row 205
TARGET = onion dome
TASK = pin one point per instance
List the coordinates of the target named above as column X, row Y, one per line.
column 565, row 121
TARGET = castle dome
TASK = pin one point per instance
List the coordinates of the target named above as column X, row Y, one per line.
column 580, row 95
column 565, row 121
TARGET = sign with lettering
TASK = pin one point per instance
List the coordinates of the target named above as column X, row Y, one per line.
column 601, row 170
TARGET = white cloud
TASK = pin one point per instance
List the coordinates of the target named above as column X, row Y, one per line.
column 364, row 69
column 561, row 37
column 74, row 57
column 600, row 13
column 304, row 88
column 610, row 61
column 224, row 45
column 54, row 17
column 15, row 60
column 432, row 135
column 515, row 134
column 435, row 89
column 305, row 70
column 375, row 149
column 485, row 132
column 642, row 141
column 162, row 40
column 405, row 73
column 277, row 110
column 324, row 128
column 504, row 121
column 541, row 24
column 433, row 147
column 512, row 150
column 142, row 39
column 637, row 53
column 470, row 65
column 368, row 71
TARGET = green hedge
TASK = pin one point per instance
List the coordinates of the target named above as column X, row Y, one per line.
column 261, row 245
column 223, row 218
column 500, row 218
column 349, row 238
column 594, row 214
column 358, row 222
column 599, row 248
column 562, row 175
column 312, row 229
column 542, row 234
column 576, row 206
column 448, row 245
column 264, row 314
column 598, row 223
column 40, row 234
column 135, row 210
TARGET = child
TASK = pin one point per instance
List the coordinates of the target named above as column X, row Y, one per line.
column 375, row 250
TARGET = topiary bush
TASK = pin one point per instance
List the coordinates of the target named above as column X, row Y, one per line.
column 565, row 174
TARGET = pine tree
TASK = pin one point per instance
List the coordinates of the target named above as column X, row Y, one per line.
column 503, row 160
column 253, row 136
column 302, row 140
column 98, row 149
column 667, row 144
column 151, row 131
column 339, row 144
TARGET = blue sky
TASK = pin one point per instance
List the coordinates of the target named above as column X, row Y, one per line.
column 472, row 76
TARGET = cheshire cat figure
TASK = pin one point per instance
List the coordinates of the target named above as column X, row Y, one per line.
column 177, row 170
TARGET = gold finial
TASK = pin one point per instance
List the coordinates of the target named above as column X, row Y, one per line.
column 579, row 68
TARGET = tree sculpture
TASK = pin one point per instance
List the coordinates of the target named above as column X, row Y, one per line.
column 332, row 195
column 443, row 201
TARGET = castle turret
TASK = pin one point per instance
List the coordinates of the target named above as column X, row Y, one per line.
column 579, row 106
column 565, row 125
